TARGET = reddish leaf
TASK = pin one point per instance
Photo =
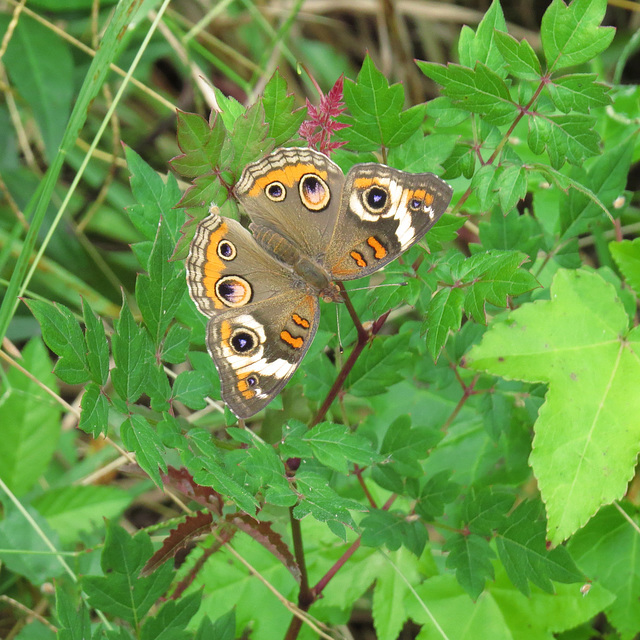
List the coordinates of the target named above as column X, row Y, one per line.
column 268, row 538
column 193, row 527
column 182, row 480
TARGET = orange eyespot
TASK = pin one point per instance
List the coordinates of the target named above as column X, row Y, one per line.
column 314, row 192
column 233, row 291
column 276, row 191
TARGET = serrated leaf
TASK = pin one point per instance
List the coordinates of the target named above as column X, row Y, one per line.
column 283, row 120
column 194, row 526
column 578, row 92
column 479, row 46
column 94, row 416
column 520, row 57
column 444, row 314
column 572, row 35
column 138, row 436
column 484, row 186
column 522, row 548
column 379, row 366
column 335, row 446
column 176, row 344
column 606, row 549
column 626, row 254
column 97, row 345
column 132, row 354
column 122, row 593
column 511, row 185
column 392, row 529
column 31, row 429
column 606, row 180
column 479, row 90
column 170, row 623
column 462, row 161
column 318, row 499
column 62, row 334
column 160, row 293
column 470, row 555
column 377, row 117
column 587, row 433
column 250, row 138
column 192, row 388
column 571, row 138
column 491, row 277
column 156, row 198
column 201, row 144
column 271, row 540
column 437, row 492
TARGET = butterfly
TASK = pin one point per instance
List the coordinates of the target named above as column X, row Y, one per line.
column 311, row 226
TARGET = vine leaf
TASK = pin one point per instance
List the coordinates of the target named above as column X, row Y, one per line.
column 587, row 433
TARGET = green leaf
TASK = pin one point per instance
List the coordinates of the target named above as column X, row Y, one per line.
column 522, row 549
column 250, row 138
column 377, row 117
column 40, row 65
column 132, row 354
column 62, row 334
column 578, row 92
column 572, row 35
column 97, row 345
column 470, row 555
column 484, row 187
column 201, row 143
column 170, row 623
column 462, row 161
column 522, row 61
column 138, row 436
column 511, row 231
column 31, row 429
column 606, row 179
column 283, row 120
column 491, row 277
column 73, row 510
column 335, row 446
column 405, row 445
column 156, row 199
column 73, row 623
column 160, row 293
column 94, row 416
column 606, row 549
column 444, row 315
column 121, row 592
column 323, row 503
column 479, row 46
column 176, row 344
column 422, row 153
column 392, row 529
column 626, row 254
column 479, row 90
column 192, row 388
column 571, row 138
column 22, row 548
column 437, row 492
column 379, row 366
column 587, row 433
column 511, row 185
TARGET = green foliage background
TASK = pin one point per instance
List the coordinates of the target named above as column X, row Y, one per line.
column 477, row 468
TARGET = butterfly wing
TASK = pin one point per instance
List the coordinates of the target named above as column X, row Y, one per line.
column 295, row 192
column 383, row 212
column 262, row 317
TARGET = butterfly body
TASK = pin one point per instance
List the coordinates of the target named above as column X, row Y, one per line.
column 312, row 226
